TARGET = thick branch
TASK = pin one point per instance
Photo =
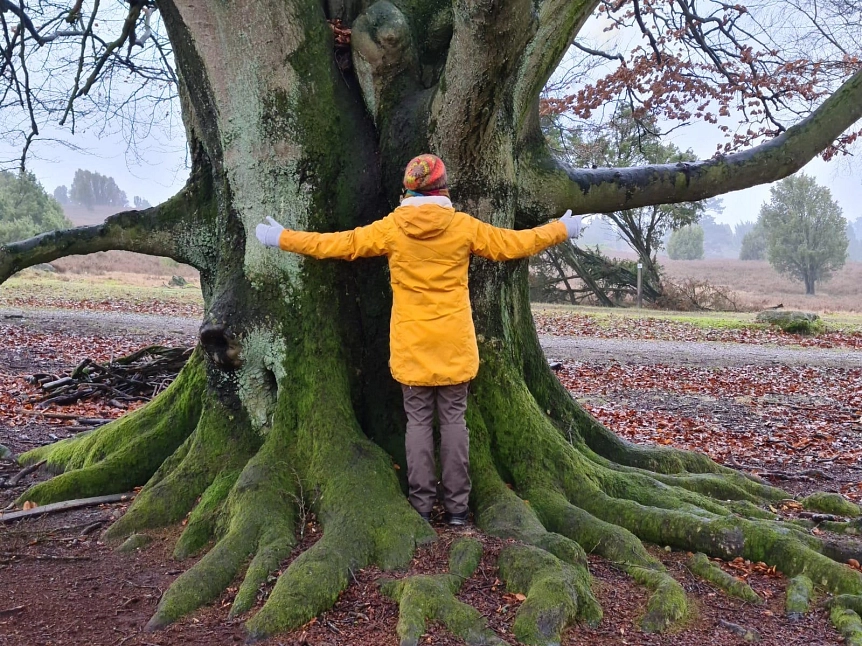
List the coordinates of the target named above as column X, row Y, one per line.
column 559, row 22
column 488, row 40
column 157, row 231
column 548, row 186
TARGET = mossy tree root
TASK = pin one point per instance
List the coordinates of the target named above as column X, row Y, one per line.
column 800, row 590
column 850, row 601
column 352, row 486
column 425, row 597
column 124, row 453
column 557, row 593
column 700, row 565
column 608, row 496
column 204, row 466
column 848, row 623
column 667, row 604
column 831, row 503
column 249, row 512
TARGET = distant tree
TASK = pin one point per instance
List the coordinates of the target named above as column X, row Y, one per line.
column 140, row 203
column 61, row 194
column 805, row 231
column 718, row 239
column 686, row 243
column 753, row 245
column 26, row 209
column 857, row 228
column 94, row 189
column 741, row 229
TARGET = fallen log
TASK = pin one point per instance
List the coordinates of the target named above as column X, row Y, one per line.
column 14, row 480
column 67, row 505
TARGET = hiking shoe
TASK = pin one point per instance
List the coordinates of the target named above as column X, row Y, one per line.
column 458, row 520
column 426, row 515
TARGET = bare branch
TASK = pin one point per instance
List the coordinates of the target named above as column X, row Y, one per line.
column 596, row 52
column 7, row 5
column 128, row 30
column 550, row 186
column 646, row 32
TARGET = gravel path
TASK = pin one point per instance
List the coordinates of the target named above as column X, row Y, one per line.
column 95, row 323
column 702, row 353
column 556, row 348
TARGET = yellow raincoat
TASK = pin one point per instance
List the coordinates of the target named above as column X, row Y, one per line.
column 432, row 338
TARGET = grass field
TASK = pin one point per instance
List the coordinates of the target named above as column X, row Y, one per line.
column 754, row 283
column 758, row 285
column 602, row 316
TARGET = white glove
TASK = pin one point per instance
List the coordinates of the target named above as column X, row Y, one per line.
column 572, row 222
column 269, row 234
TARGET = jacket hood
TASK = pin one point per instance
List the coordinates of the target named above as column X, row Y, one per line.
column 424, row 217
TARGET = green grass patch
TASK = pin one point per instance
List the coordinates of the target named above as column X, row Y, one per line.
column 37, row 289
column 847, row 322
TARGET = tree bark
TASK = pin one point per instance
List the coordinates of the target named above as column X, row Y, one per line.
column 287, row 404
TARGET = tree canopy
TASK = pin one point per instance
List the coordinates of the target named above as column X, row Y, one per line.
column 754, row 243
column 94, row 189
column 26, row 209
column 686, row 243
column 805, row 232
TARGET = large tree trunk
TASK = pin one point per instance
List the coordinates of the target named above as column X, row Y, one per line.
column 288, row 403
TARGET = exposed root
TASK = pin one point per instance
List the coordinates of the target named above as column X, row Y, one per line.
column 557, row 594
column 700, row 565
column 424, row 597
column 850, row 601
column 799, row 593
column 217, row 450
column 251, row 512
column 848, row 623
column 124, row 453
column 464, row 557
column 365, row 517
column 831, row 503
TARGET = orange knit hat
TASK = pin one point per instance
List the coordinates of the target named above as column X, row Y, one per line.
column 426, row 174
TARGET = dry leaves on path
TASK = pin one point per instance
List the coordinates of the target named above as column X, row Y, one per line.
column 761, row 417
column 648, row 328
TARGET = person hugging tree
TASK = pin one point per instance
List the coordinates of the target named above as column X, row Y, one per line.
column 433, row 349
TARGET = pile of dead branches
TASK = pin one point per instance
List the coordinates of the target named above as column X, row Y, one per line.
column 139, row 376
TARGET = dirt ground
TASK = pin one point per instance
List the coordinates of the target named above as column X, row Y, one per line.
column 62, row 586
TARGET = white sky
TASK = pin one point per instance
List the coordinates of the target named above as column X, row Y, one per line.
column 158, row 169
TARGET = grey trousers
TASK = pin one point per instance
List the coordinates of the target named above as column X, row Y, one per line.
column 454, row 446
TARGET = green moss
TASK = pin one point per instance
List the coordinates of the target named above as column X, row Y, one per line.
column 421, row 598
column 201, row 522
column 557, row 593
column 346, row 479
column 831, row 503
column 222, row 442
column 123, row 454
column 848, row 623
column 799, row 593
column 464, row 557
column 850, row 601
column 667, row 605
column 700, row 565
